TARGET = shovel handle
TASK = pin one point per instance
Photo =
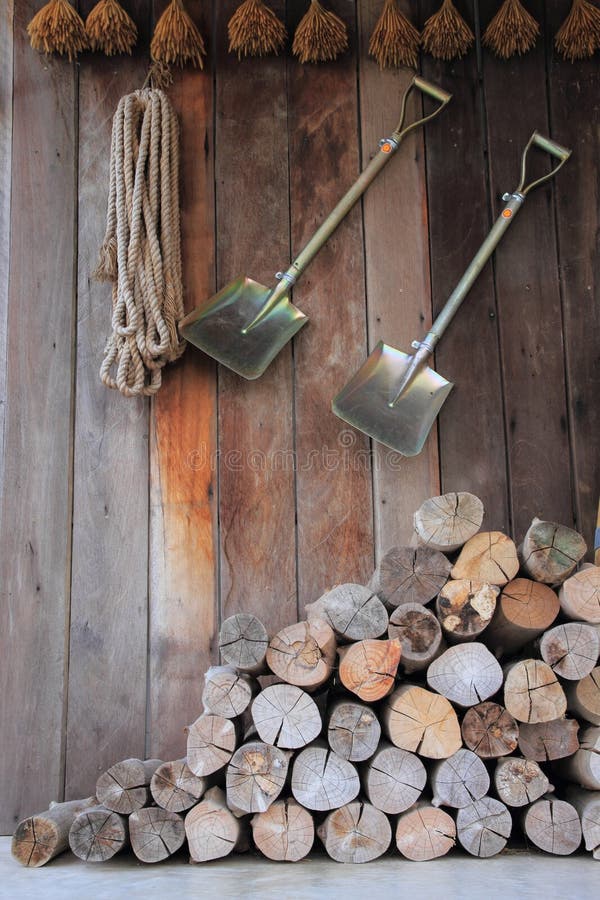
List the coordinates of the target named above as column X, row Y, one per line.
column 433, row 91
column 543, row 143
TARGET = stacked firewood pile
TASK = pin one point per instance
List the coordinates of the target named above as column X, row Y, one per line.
column 454, row 698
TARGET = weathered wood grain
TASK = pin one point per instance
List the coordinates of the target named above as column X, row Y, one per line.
column 6, row 123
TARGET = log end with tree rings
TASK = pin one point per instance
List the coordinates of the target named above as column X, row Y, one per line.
column 393, row 779
column 98, row 834
column 155, row 833
column 243, row 643
column 354, row 612
column 322, row 780
column 227, row 692
column 175, row 787
column 124, row 787
column 466, row 674
column 484, row 827
column 553, row 825
column 422, row 722
column 532, row 692
column 303, row 654
column 286, row 716
column 211, row 828
column 489, row 730
column 524, row 610
column 465, row 608
column 210, row 745
column 519, row 782
column 571, row 650
column 353, row 731
column 356, row 833
column 584, row 697
column 459, row 780
column 580, row 596
column 447, row 522
column 410, row 575
column 285, row 832
column 546, row 741
column 424, row 833
column 368, row 668
column 255, row 776
column 419, row 633
column 550, row 552
column 490, row 557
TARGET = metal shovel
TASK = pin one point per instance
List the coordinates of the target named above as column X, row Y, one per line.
column 246, row 324
column 395, row 397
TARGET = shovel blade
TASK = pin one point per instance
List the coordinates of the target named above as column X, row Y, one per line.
column 365, row 401
column 216, row 328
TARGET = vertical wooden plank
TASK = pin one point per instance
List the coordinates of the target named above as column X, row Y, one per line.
column 36, row 503
column 256, row 465
column 397, row 271
column 6, row 101
column 471, row 423
column 574, row 94
column 183, row 490
column 527, row 289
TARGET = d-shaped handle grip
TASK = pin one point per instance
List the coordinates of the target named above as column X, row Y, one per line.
column 549, row 146
column 432, row 90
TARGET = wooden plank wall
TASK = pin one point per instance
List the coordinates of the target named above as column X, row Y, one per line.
column 130, row 529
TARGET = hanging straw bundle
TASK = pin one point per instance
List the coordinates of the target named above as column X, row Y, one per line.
column 141, row 253
column 255, row 30
column 579, row 35
column 58, row 28
column 110, row 29
column 395, row 40
column 512, row 30
column 446, row 35
column 320, row 35
column 176, row 39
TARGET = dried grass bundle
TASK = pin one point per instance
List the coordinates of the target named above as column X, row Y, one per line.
column 320, row 35
column 176, row 39
column 395, row 40
column 110, row 29
column 58, row 28
column 255, row 30
column 512, row 30
column 579, row 35
column 446, row 35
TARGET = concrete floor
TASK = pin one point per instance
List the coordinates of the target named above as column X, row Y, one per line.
column 456, row 877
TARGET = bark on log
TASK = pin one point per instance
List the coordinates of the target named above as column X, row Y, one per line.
column 368, row 668
column 353, row 611
column 98, row 834
column 553, row 825
column 125, row 787
column 394, row 779
column 255, row 777
column 156, row 833
column 243, row 642
column 227, row 692
column 446, row 523
column 303, row 654
column 212, row 830
column 410, row 575
column 38, row 839
column 356, row 833
column 587, row 804
column 322, row 780
column 583, row 767
column 466, row 674
column 465, row 608
column 175, row 787
column 422, row 722
column 419, row 633
column 285, row 832
column 489, row 730
column 459, row 780
column 519, row 782
column 584, row 697
column 551, row 551
column 580, row 596
column 425, row 833
column 484, row 827
column 490, row 557
column 286, row 716
column 210, row 745
column 549, row 740
column 525, row 609
column 532, row 692
column 571, row 650
column 353, row 731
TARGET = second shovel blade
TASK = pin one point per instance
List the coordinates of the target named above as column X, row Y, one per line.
column 216, row 328
column 364, row 401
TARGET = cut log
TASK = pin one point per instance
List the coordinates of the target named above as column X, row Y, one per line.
column 243, row 642
column 98, row 834
column 255, row 777
column 580, row 596
column 212, row 830
column 285, row 832
column 583, row 767
column 368, row 668
column 155, row 833
column 465, row 608
column 322, row 780
column 571, row 650
column 419, row 633
column 286, row 716
column 459, row 780
column 425, row 833
column 584, row 697
column 466, row 674
column 303, row 654
column 519, row 782
column 489, row 730
column 525, row 609
column 353, row 731
column 550, row 551
column 410, row 575
column 175, row 787
column 587, row 804
column 394, row 779
column 422, row 722
column 446, row 523
column 484, row 827
column 125, row 787
column 354, row 612
column 356, row 833
column 228, row 692
column 490, row 557
column 40, row 838
column 553, row 825
column 210, row 745
column 549, row 740
column 532, row 692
